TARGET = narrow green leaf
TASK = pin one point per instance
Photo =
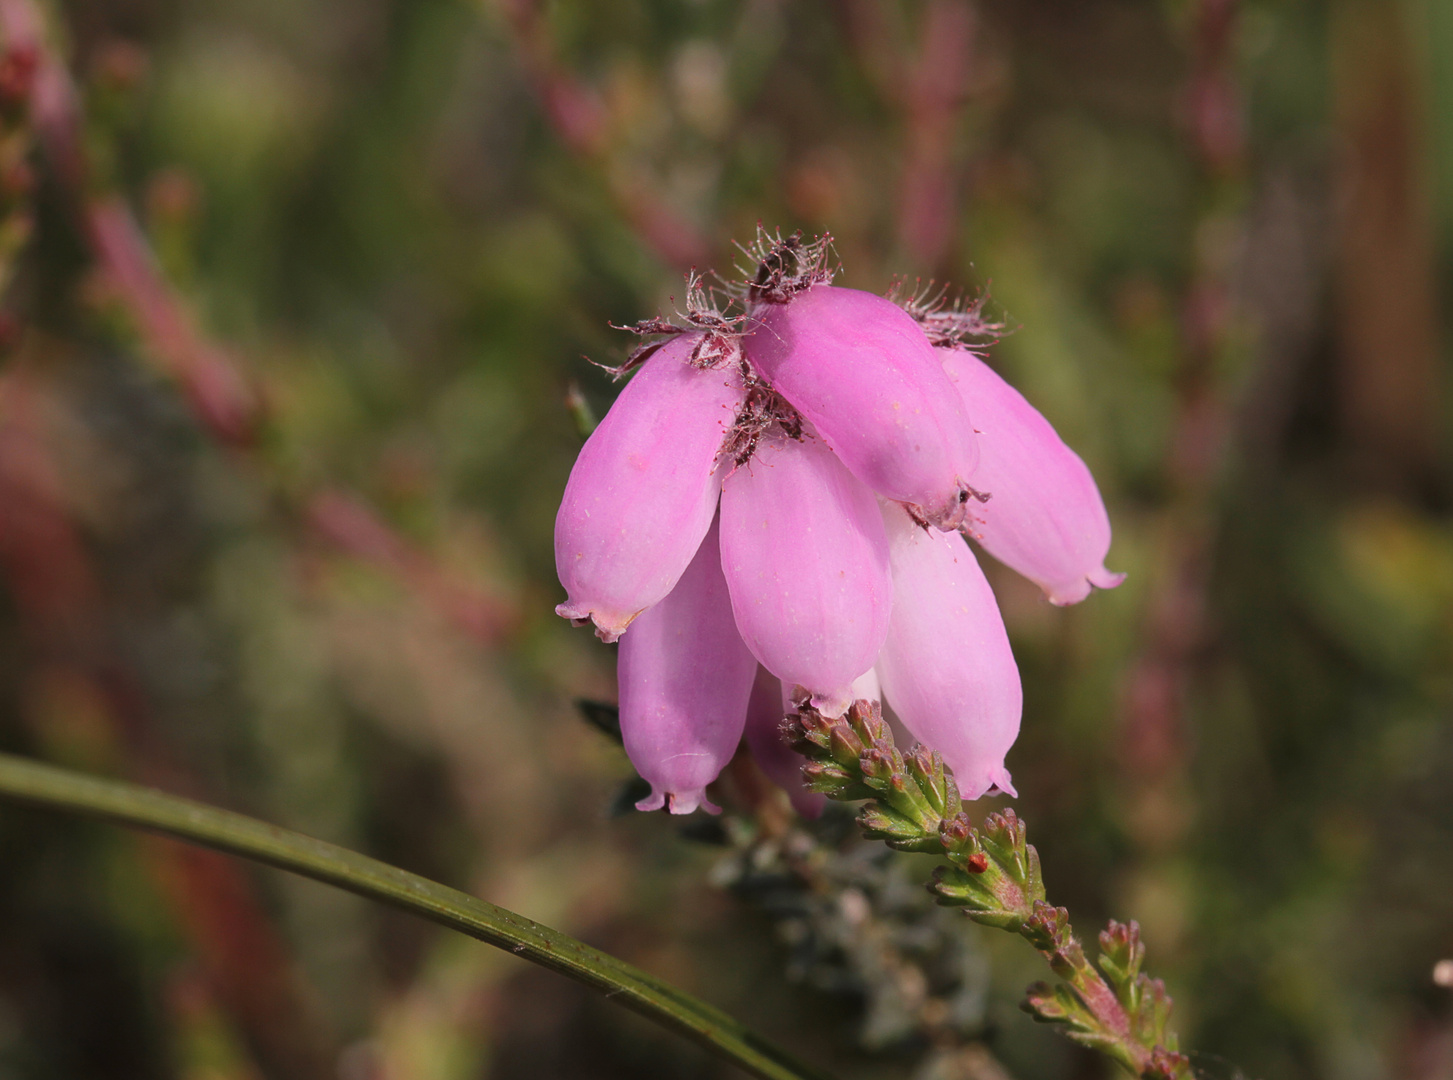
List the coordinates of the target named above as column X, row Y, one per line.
column 236, row 834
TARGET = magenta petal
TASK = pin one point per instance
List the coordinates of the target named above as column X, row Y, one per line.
column 862, row 371
column 806, row 561
column 1045, row 517
column 685, row 677
column 780, row 762
column 644, row 488
column 947, row 668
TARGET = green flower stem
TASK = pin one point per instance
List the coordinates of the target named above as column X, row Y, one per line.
column 236, row 834
column 992, row 874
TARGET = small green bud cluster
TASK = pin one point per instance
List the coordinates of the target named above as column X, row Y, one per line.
column 912, row 803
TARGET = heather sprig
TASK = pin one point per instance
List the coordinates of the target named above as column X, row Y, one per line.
column 780, row 497
column 992, row 874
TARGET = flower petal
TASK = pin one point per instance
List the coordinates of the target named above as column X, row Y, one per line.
column 947, row 668
column 863, row 373
column 1045, row 517
column 685, row 677
column 782, row 764
column 864, row 688
column 644, row 488
column 806, row 561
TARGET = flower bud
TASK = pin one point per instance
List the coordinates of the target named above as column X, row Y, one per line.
column 644, row 488
column 685, row 678
column 862, row 372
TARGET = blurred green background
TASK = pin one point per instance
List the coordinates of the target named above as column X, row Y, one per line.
column 275, row 511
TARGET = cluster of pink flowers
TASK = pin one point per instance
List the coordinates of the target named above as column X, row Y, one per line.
column 774, row 511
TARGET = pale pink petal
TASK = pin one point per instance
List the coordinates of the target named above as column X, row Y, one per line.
column 862, row 372
column 864, row 688
column 685, row 677
column 867, row 687
column 644, row 488
column 1044, row 517
column 946, row 667
column 806, row 561
column 780, row 762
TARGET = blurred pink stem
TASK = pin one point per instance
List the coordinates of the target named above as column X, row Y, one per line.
column 930, row 85
column 349, row 525
column 228, row 403
column 60, row 602
column 1176, row 631
column 934, row 95
column 582, row 121
column 223, row 399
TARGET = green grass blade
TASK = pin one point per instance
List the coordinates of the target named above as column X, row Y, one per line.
column 145, row 808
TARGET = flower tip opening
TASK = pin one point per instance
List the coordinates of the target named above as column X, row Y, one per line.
column 833, row 705
column 987, row 784
column 1105, row 579
column 678, row 802
column 1003, row 783
column 1069, row 595
column 608, row 627
column 1073, row 593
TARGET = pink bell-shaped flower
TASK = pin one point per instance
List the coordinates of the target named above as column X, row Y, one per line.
column 862, row 372
column 806, row 561
column 1044, row 517
column 644, row 488
column 946, row 666
column 685, row 677
column 832, row 429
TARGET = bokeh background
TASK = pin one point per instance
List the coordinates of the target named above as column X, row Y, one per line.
column 295, row 292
